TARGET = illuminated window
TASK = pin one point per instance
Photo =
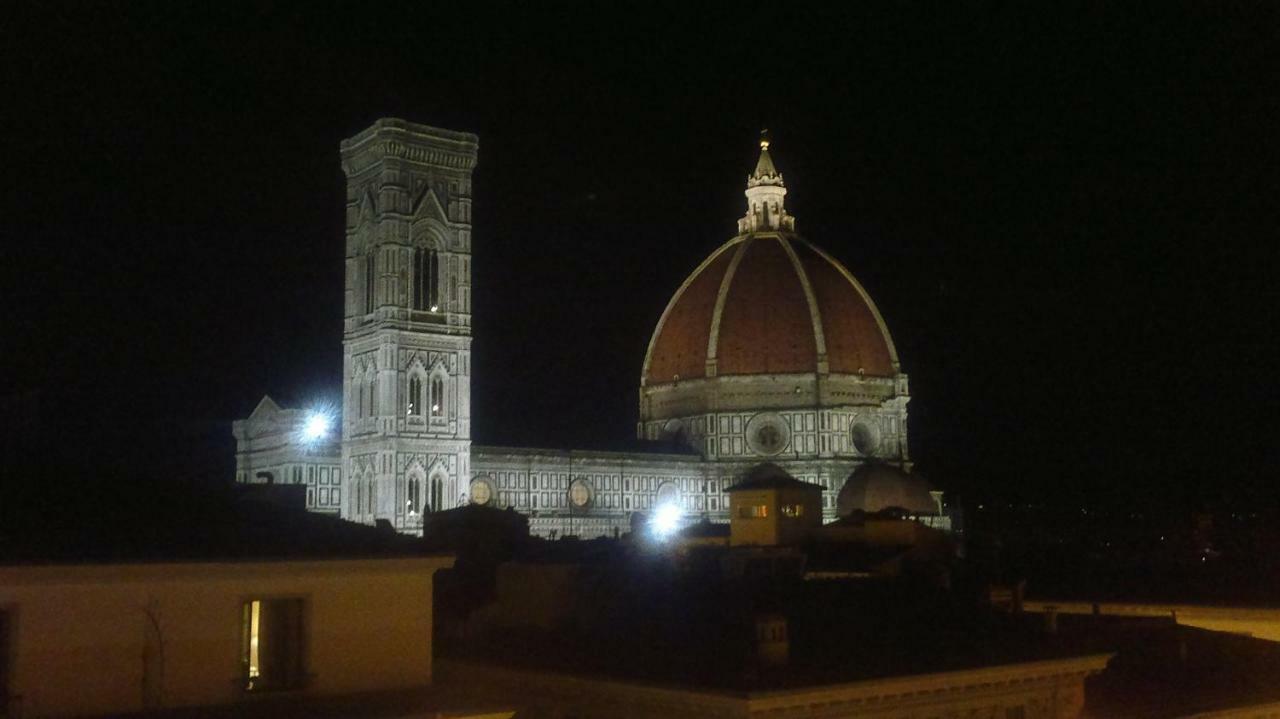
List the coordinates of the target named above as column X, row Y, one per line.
column 415, row 396
column 271, row 648
column 437, row 397
column 792, row 510
column 370, row 282
column 425, row 280
column 415, row 495
column 753, row 511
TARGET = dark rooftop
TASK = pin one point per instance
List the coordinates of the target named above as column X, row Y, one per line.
column 189, row 522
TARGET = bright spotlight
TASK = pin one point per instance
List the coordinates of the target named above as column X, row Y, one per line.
column 317, row 426
column 666, row 519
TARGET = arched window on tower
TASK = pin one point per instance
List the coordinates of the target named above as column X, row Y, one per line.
column 426, row 276
column 357, row 389
column 370, row 282
column 415, row 495
column 437, row 495
column 437, row 397
column 373, row 488
column 373, row 393
column 415, row 396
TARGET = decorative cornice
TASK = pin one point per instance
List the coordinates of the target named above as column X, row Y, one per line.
column 391, row 138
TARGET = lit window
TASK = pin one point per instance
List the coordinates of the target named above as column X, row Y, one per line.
column 753, row 511
column 271, row 653
column 792, row 510
column 425, row 280
column 415, row 396
column 415, row 495
column 437, row 397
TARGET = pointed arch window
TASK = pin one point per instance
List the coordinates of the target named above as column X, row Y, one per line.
column 415, row 495
column 370, row 282
column 373, row 487
column 357, row 394
column 437, row 396
column 415, row 396
column 426, row 276
column 437, row 495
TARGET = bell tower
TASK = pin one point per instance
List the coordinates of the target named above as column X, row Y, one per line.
column 406, row 420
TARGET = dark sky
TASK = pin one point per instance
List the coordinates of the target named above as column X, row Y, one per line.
column 1066, row 216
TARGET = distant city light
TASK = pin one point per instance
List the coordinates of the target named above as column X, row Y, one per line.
column 317, row 426
column 666, row 519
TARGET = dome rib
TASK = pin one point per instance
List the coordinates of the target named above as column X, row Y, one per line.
column 815, row 312
column 682, row 337
column 713, row 335
column 766, row 327
column 894, row 365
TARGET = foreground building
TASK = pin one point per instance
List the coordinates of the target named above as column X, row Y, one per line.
column 769, row 350
column 115, row 639
column 219, row 601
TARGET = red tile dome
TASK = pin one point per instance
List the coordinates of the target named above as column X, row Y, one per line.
column 769, row 303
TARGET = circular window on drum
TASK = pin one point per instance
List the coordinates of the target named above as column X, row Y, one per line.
column 481, row 491
column 580, row 494
column 865, row 438
column 768, row 434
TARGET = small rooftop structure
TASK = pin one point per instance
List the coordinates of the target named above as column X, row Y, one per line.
column 769, row 507
column 875, row 487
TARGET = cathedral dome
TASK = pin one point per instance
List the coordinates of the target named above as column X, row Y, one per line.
column 874, row 487
column 769, row 303
column 771, row 346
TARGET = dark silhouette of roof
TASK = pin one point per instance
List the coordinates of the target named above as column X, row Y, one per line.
column 190, row 522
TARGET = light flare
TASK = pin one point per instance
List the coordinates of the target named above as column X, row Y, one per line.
column 666, row 520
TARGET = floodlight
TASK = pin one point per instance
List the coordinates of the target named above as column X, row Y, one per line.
column 317, row 426
column 666, row 519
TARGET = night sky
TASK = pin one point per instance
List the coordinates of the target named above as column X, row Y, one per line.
column 1067, row 217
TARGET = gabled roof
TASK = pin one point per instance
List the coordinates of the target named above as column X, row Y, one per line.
column 266, row 408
